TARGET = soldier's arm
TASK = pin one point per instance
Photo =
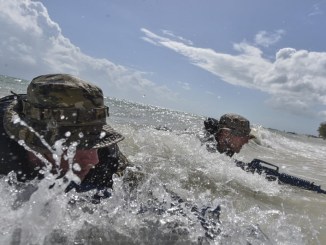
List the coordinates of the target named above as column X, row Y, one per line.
column 132, row 175
column 123, row 162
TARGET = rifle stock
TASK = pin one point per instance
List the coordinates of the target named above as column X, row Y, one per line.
column 272, row 174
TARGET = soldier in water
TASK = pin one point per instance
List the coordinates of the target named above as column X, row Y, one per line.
column 60, row 127
column 227, row 135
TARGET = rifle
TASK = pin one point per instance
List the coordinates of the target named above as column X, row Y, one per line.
column 272, row 174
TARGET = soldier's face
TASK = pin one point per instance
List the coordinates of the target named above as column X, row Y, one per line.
column 80, row 164
column 236, row 142
column 84, row 160
column 229, row 142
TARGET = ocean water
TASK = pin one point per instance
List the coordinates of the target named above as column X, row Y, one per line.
column 175, row 163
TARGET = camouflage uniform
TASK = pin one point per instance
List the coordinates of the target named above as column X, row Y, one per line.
column 12, row 155
column 56, row 107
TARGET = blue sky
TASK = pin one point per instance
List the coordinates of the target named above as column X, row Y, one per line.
column 265, row 60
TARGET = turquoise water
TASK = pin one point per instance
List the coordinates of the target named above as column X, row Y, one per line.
column 253, row 210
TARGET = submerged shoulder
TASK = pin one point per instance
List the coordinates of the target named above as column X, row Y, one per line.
column 10, row 98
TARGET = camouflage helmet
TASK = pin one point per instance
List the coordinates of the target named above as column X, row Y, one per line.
column 239, row 125
column 60, row 107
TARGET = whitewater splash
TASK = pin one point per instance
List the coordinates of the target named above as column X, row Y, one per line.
column 180, row 176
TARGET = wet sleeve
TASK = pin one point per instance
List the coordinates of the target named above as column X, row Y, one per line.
column 12, row 155
column 120, row 165
column 123, row 162
column 112, row 158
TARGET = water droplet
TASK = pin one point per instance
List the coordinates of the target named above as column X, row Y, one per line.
column 76, row 167
column 102, row 135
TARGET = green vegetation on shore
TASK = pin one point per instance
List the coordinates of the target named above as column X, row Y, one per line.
column 322, row 130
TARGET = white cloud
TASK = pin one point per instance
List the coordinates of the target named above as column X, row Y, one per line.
column 32, row 44
column 296, row 79
column 172, row 35
column 316, row 10
column 184, row 85
column 265, row 39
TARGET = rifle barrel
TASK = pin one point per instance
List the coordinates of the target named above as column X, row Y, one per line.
column 272, row 174
column 295, row 181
